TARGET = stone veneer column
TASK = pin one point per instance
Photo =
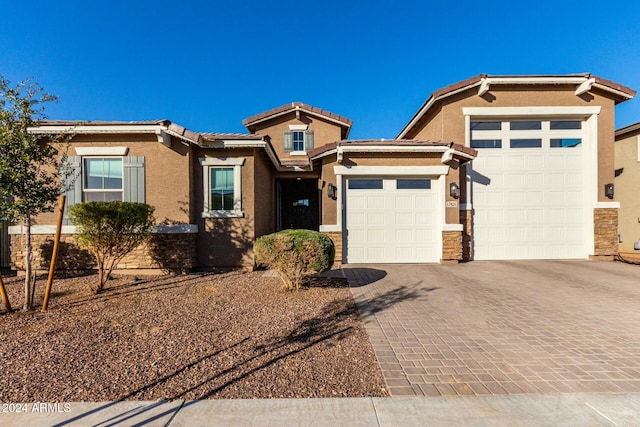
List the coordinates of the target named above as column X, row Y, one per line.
column 336, row 236
column 605, row 228
column 466, row 217
column 451, row 247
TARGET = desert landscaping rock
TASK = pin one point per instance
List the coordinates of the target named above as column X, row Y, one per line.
column 196, row 336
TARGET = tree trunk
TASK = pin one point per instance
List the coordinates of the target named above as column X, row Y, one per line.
column 27, row 267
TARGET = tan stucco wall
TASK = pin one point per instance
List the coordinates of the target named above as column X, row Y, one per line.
column 265, row 200
column 446, row 121
column 324, row 132
column 626, row 191
column 226, row 242
column 167, row 175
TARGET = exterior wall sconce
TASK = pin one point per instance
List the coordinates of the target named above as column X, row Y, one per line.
column 331, row 191
column 608, row 190
column 454, row 190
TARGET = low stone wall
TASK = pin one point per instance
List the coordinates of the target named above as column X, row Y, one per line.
column 172, row 252
column 451, row 246
column 605, row 225
column 337, row 241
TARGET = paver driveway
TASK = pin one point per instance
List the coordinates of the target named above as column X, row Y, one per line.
column 514, row 327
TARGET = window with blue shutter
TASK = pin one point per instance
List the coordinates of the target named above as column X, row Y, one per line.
column 298, row 141
column 89, row 178
column 71, row 184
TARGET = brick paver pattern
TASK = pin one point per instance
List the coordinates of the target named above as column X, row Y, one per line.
column 517, row 327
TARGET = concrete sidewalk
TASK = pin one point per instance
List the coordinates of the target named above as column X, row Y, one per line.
column 527, row 410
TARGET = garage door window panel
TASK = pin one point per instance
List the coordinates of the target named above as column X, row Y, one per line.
column 365, row 184
column 486, row 143
column 565, row 142
column 525, row 143
column 413, row 184
column 526, row 125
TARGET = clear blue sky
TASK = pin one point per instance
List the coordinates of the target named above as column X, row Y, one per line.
column 209, row 64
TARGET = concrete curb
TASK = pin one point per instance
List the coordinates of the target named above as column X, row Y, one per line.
column 525, row 410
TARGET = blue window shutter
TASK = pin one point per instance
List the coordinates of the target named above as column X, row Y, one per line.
column 134, row 188
column 288, row 141
column 71, row 183
column 308, row 140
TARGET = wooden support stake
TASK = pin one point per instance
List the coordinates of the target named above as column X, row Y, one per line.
column 5, row 297
column 54, row 255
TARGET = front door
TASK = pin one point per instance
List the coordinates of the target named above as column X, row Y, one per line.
column 298, row 206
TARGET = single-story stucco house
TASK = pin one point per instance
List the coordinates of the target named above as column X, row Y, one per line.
column 490, row 168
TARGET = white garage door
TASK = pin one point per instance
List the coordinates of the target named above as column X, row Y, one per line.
column 528, row 190
column 392, row 220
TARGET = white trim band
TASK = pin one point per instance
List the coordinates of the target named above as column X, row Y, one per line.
column 391, row 170
column 530, row 111
column 452, row 227
column 330, row 229
column 72, row 229
column 102, row 151
column 607, row 205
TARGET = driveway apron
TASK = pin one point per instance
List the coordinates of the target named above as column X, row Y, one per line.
column 491, row 328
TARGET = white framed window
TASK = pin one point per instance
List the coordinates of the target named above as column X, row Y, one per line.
column 222, row 187
column 102, row 179
column 526, row 133
column 298, row 140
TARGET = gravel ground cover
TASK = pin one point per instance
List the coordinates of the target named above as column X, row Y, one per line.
column 196, row 336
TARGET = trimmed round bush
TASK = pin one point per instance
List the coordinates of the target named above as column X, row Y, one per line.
column 295, row 254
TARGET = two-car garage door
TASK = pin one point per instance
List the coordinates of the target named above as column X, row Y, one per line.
column 391, row 220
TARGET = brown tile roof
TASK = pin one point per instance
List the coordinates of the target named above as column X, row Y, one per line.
column 390, row 142
column 474, row 81
column 623, row 132
column 214, row 136
column 292, row 107
column 162, row 122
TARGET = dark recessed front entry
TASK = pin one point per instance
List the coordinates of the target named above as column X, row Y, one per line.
column 298, row 206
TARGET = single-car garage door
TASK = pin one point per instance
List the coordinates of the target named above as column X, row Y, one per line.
column 391, row 220
column 528, row 190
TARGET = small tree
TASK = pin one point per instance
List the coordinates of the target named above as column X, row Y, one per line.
column 111, row 230
column 295, row 254
column 29, row 177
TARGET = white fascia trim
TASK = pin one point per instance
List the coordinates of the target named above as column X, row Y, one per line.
column 614, row 91
column 330, row 119
column 607, row 205
column 82, row 129
column 484, row 87
column 394, row 148
column 222, row 161
column 102, row 151
column 391, row 170
column 298, row 127
column 330, row 229
column 42, row 229
column 530, row 111
column 585, row 86
column 538, row 80
column 451, row 227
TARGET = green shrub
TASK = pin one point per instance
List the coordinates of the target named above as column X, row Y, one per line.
column 295, row 254
column 111, row 230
